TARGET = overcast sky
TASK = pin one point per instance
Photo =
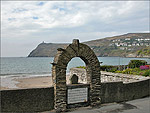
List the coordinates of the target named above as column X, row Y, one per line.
column 26, row 24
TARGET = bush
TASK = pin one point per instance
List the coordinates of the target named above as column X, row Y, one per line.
column 118, row 71
column 136, row 63
column 135, row 71
column 106, row 67
column 147, row 73
column 127, row 71
column 113, row 69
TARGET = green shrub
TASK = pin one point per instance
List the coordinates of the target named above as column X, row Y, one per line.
column 113, row 69
column 136, row 63
column 118, row 71
column 127, row 71
column 146, row 73
column 135, row 71
column 106, row 67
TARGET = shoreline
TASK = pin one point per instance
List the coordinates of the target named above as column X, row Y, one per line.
column 11, row 83
column 24, row 82
column 17, row 82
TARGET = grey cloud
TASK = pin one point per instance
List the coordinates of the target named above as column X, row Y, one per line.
column 83, row 20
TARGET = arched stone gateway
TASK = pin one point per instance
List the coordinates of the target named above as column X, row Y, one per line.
column 59, row 67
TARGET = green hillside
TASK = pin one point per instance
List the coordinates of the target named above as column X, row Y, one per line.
column 127, row 45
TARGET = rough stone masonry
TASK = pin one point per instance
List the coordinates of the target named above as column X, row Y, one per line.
column 60, row 63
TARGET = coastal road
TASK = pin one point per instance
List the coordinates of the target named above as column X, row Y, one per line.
column 134, row 106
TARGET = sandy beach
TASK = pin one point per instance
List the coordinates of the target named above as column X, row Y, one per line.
column 34, row 82
column 27, row 82
column 41, row 81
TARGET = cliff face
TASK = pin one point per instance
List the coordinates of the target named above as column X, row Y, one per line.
column 46, row 50
column 128, row 45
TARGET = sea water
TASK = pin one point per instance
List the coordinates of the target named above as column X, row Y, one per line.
column 14, row 68
column 35, row 66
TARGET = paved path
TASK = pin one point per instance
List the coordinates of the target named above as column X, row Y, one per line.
column 134, row 106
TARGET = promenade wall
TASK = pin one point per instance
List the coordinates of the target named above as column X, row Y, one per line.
column 42, row 99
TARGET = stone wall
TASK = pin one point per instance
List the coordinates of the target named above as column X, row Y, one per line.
column 81, row 73
column 112, row 92
column 42, row 99
column 107, row 76
column 119, row 91
column 27, row 100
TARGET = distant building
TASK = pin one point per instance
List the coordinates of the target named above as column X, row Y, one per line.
column 127, row 39
column 122, row 48
column 133, row 44
column 125, row 44
column 141, row 44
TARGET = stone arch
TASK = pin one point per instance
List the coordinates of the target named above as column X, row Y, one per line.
column 60, row 63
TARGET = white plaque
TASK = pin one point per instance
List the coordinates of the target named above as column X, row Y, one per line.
column 77, row 95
